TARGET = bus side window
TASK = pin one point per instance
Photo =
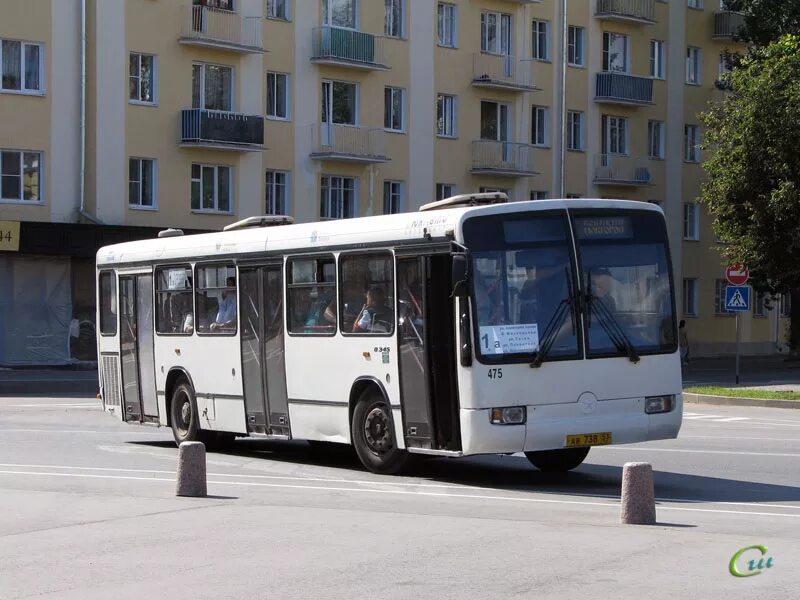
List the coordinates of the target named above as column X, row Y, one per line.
column 108, row 303
column 311, row 295
column 215, row 294
column 174, row 312
column 367, row 302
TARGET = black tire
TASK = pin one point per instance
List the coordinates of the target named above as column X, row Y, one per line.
column 183, row 414
column 557, row 461
column 372, row 431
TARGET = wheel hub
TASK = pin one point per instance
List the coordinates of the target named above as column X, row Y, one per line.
column 376, row 431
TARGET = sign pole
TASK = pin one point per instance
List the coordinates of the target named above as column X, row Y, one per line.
column 737, row 348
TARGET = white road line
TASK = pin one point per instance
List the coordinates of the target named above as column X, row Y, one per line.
column 731, row 419
column 737, row 437
column 83, row 404
column 49, row 431
column 697, row 417
column 624, row 448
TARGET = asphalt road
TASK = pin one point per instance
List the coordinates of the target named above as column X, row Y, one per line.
column 87, row 510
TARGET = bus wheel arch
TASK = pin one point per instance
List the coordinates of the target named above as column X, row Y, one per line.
column 370, row 409
column 173, row 379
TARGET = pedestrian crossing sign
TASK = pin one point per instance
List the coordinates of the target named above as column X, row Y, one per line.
column 737, row 298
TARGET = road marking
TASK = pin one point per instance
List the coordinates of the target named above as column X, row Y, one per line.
column 731, row 419
column 723, row 437
column 49, row 431
column 779, row 454
column 83, row 404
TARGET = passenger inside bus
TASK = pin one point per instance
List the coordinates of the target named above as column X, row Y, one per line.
column 226, row 313
column 375, row 317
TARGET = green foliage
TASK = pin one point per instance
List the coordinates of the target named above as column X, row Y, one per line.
column 744, row 393
column 767, row 20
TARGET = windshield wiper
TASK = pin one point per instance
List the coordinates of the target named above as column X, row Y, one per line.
column 554, row 326
column 611, row 326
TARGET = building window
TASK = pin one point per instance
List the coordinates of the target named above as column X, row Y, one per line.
column 541, row 40
column 446, row 115
column 21, row 66
column 657, row 58
column 339, row 13
column 575, row 46
column 141, row 78
column 496, row 33
column 691, row 221
column 539, row 125
column 393, row 25
column 574, row 130
column 215, row 298
column 695, row 3
column 277, row 193
column 719, row 297
column 614, row 135
column 785, row 305
column 20, row 176
column 278, row 95
column 690, row 297
column 691, row 135
column 174, row 311
column 211, row 188
column 141, row 182
column 574, row 196
column 394, row 101
column 491, row 190
column 212, row 87
column 367, row 277
column 495, row 121
column 339, row 102
column 338, row 198
column 311, row 295
column 759, row 304
column 615, row 52
column 108, row 303
column 445, row 190
column 393, row 197
column 724, row 65
column 538, row 195
column 447, row 25
column 693, row 65
column 655, row 137
column 278, row 9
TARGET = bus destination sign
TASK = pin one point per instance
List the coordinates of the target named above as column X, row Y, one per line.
column 603, row 228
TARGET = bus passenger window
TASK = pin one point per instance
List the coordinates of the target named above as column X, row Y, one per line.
column 216, row 299
column 108, row 304
column 174, row 313
column 367, row 305
column 311, row 291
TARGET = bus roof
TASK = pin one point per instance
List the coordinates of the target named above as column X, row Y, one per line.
column 389, row 229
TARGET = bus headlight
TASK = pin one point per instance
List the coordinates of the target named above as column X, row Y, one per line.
column 510, row 415
column 658, row 404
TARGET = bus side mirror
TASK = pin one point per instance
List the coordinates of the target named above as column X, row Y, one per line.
column 459, row 275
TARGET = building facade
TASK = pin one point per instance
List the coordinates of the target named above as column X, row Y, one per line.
column 195, row 114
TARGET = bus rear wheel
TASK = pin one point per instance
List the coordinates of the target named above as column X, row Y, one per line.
column 372, row 431
column 557, row 461
column 183, row 414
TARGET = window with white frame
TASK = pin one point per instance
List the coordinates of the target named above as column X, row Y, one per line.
column 574, row 130
column 691, row 135
column 21, row 66
column 447, row 26
column 541, row 40
column 142, row 182
column 212, row 87
column 655, row 139
column 575, row 38
column 693, row 65
column 657, row 58
column 277, row 95
column 340, row 13
column 785, row 305
column 393, row 105
column 496, row 33
column 695, row 3
column 20, row 176
column 277, row 193
column 720, row 308
column 393, row 197
column 539, row 125
column 690, row 297
column 339, row 102
column 691, row 221
column 142, row 78
column 212, row 187
column 445, row 190
column 338, row 197
column 614, row 135
column 278, row 9
column 759, row 304
column 446, row 115
column 495, row 121
column 393, row 22
column 538, row 195
column 616, row 47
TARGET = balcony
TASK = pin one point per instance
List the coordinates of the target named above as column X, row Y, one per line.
column 632, row 11
column 502, row 73
column 220, row 130
column 348, row 143
column 727, row 24
column 348, row 48
column 223, row 29
column 620, row 170
column 504, row 159
column 621, row 88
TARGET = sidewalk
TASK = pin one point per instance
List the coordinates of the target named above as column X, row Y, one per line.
column 764, row 372
column 55, row 381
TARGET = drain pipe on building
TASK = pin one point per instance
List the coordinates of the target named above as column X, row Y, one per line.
column 82, row 212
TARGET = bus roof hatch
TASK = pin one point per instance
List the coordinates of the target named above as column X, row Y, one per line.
column 466, row 200
column 262, row 221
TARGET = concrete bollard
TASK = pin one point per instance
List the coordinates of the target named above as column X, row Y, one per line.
column 192, row 470
column 638, row 496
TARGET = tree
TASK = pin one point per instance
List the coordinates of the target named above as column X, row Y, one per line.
column 766, row 20
column 753, row 189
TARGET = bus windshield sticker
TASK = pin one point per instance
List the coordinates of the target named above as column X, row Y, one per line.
column 509, row 339
column 603, row 228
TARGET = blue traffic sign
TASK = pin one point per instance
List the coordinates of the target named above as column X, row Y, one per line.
column 737, row 298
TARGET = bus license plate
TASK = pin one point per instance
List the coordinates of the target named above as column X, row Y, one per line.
column 588, row 439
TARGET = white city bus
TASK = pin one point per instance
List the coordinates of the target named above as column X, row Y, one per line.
column 474, row 326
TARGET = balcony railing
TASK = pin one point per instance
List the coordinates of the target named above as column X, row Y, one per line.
column 502, row 72
column 348, row 143
column 727, row 24
column 637, row 11
column 621, row 88
column 221, row 130
column 507, row 159
column 347, row 47
column 218, row 28
column 616, row 169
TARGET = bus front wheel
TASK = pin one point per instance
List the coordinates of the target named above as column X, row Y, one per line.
column 372, row 431
column 557, row 461
column 183, row 413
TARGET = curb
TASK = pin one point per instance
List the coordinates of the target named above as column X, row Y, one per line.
column 735, row 401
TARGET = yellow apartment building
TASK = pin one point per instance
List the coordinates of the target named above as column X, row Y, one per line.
column 119, row 118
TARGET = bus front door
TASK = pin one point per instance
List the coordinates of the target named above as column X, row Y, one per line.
column 263, row 361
